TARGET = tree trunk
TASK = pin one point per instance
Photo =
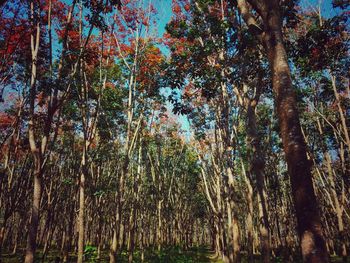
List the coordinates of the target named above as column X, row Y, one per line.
column 159, row 225
column 34, row 219
column 257, row 168
column 309, row 228
column 37, row 154
column 249, row 220
column 2, row 235
column 81, row 214
column 235, row 241
column 113, row 250
column 313, row 246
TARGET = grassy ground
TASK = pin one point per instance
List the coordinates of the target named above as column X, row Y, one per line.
column 170, row 255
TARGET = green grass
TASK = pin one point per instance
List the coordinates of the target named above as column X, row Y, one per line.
column 167, row 255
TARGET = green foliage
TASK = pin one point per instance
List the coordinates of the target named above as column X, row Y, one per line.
column 90, row 253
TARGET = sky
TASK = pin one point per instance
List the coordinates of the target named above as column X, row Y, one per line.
column 165, row 13
column 326, row 6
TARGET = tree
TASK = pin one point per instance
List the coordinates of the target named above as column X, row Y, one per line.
column 309, row 222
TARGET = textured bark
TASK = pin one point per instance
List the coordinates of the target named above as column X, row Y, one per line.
column 113, row 249
column 309, row 223
column 81, row 214
column 34, row 219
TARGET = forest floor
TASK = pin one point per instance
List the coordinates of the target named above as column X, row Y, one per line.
column 170, row 255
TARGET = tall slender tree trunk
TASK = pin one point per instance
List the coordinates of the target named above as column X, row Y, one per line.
column 130, row 243
column 114, row 245
column 159, row 225
column 81, row 208
column 257, row 168
column 113, row 250
column 34, row 218
column 235, row 241
column 36, row 151
column 249, row 220
column 313, row 246
column 81, row 218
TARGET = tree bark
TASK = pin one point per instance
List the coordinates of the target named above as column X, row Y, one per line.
column 309, row 228
column 37, row 155
column 312, row 242
column 81, row 212
column 34, row 219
